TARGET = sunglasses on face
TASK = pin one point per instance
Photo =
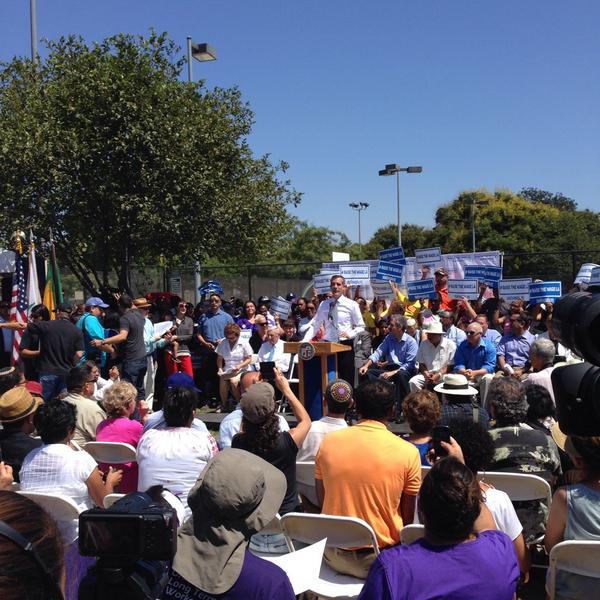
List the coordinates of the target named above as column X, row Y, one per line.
column 470, row 333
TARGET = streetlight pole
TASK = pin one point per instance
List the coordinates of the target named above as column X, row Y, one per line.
column 33, row 28
column 201, row 52
column 473, row 222
column 359, row 207
column 394, row 169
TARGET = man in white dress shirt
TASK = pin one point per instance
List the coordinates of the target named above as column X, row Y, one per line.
column 343, row 320
column 272, row 351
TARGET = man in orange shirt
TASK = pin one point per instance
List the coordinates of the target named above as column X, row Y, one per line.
column 441, row 287
column 367, row 472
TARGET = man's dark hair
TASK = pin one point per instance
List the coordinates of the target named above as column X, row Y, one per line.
column 9, row 378
column 507, row 397
column 476, row 443
column 540, row 403
column 179, row 406
column 54, row 420
column 523, row 318
column 126, row 301
column 77, row 377
column 40, row 310
column 374, row 399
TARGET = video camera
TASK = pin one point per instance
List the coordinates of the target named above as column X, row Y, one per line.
column 135, row 540
column 576, row 324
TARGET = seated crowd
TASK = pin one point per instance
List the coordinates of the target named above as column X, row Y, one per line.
column 481, row 369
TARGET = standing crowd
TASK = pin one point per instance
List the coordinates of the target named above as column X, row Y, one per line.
column 136, row 371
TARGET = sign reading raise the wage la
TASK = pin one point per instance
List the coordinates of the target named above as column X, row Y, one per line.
column 393, row 255
column 390, row 271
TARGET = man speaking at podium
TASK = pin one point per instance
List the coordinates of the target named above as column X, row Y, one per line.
column 342, row 320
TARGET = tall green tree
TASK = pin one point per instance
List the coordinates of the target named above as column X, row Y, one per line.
column 126, row 163
column 413, row 237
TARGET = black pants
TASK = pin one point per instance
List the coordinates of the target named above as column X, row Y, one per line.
column 208, row 375
column 345, row 361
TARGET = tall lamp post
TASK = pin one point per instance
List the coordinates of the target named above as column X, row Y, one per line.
column 359, row 207
column 202, row 53
column 395, row 169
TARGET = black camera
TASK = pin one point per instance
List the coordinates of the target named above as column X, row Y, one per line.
column 133, row 527
column 576, row 324
column 134, row 540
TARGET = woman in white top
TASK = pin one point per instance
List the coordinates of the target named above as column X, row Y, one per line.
column 233, row 357
column 57, row 468
column 174, row 456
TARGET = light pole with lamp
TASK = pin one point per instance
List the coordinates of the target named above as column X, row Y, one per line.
column 397, row 169
column 359, row 207
column 202, row 53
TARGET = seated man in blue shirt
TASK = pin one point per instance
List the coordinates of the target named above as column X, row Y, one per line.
column 399, row 350
column 513, row 349
column 475, row 358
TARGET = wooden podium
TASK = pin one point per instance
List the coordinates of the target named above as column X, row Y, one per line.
column 315, row 370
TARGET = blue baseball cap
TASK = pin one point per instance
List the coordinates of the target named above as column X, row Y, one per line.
column 95, row 301
column 181, row 380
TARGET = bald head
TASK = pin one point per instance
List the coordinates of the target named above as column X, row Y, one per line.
column 248, row 378
column 474, row 331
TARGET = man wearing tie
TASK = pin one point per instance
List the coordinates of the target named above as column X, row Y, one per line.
column 342, row 320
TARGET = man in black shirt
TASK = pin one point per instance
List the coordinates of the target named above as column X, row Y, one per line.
column 131, row 335
column 17, row 407
column 61, row 347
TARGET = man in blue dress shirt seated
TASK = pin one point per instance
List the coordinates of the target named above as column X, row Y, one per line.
column 513, row 349
column 394, row 359
column 475, row 358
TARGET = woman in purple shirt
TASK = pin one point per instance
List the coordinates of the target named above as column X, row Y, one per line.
column 458, row 558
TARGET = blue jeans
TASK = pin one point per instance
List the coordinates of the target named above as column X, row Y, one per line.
column 52, row 385
column 134, row 371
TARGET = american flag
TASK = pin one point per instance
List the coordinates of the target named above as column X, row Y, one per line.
column 18, row 304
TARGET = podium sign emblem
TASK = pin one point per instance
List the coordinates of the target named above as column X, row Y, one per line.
column 306, row 351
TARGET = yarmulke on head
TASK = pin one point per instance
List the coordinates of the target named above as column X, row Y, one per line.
column 339, row 396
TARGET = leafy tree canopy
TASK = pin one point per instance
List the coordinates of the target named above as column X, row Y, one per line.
column 104, row 144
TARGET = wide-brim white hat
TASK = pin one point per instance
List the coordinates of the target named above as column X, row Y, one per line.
column 455, row 385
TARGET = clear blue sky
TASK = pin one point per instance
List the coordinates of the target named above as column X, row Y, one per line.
column 480, row 93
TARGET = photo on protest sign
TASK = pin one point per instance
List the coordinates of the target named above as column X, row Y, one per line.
column 387, row 271
column 423, row 288
column 463, row 288
column 514, row 289
column 542, row 291
column 393, row 255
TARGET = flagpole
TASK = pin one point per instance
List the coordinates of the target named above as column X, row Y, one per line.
column 54, row 273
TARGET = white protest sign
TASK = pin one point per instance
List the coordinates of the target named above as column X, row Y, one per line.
column 321, row 283
column 514, row 289
column 463, row 288
column 356, row 273
column 428, row 256
column 541, row 291
column 382, row 289
column 339, row 256
column 585, row 272
column 595, row 276
column 280, row 307
column 245, row 335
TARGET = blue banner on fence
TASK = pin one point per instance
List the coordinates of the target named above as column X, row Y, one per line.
column 393, row 255
column 389, row 270
column 544, row 290
column 422, row 288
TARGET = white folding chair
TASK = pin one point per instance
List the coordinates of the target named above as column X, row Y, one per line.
column 114, row 453
column 411, row 533
column 424, row 471
column 520, row 487
column 110, row 499
column 579, row 557
column 305, row 480
column 61, row 508
column 341, row 532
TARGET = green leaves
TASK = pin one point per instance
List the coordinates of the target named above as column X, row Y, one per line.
column 104, row 144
